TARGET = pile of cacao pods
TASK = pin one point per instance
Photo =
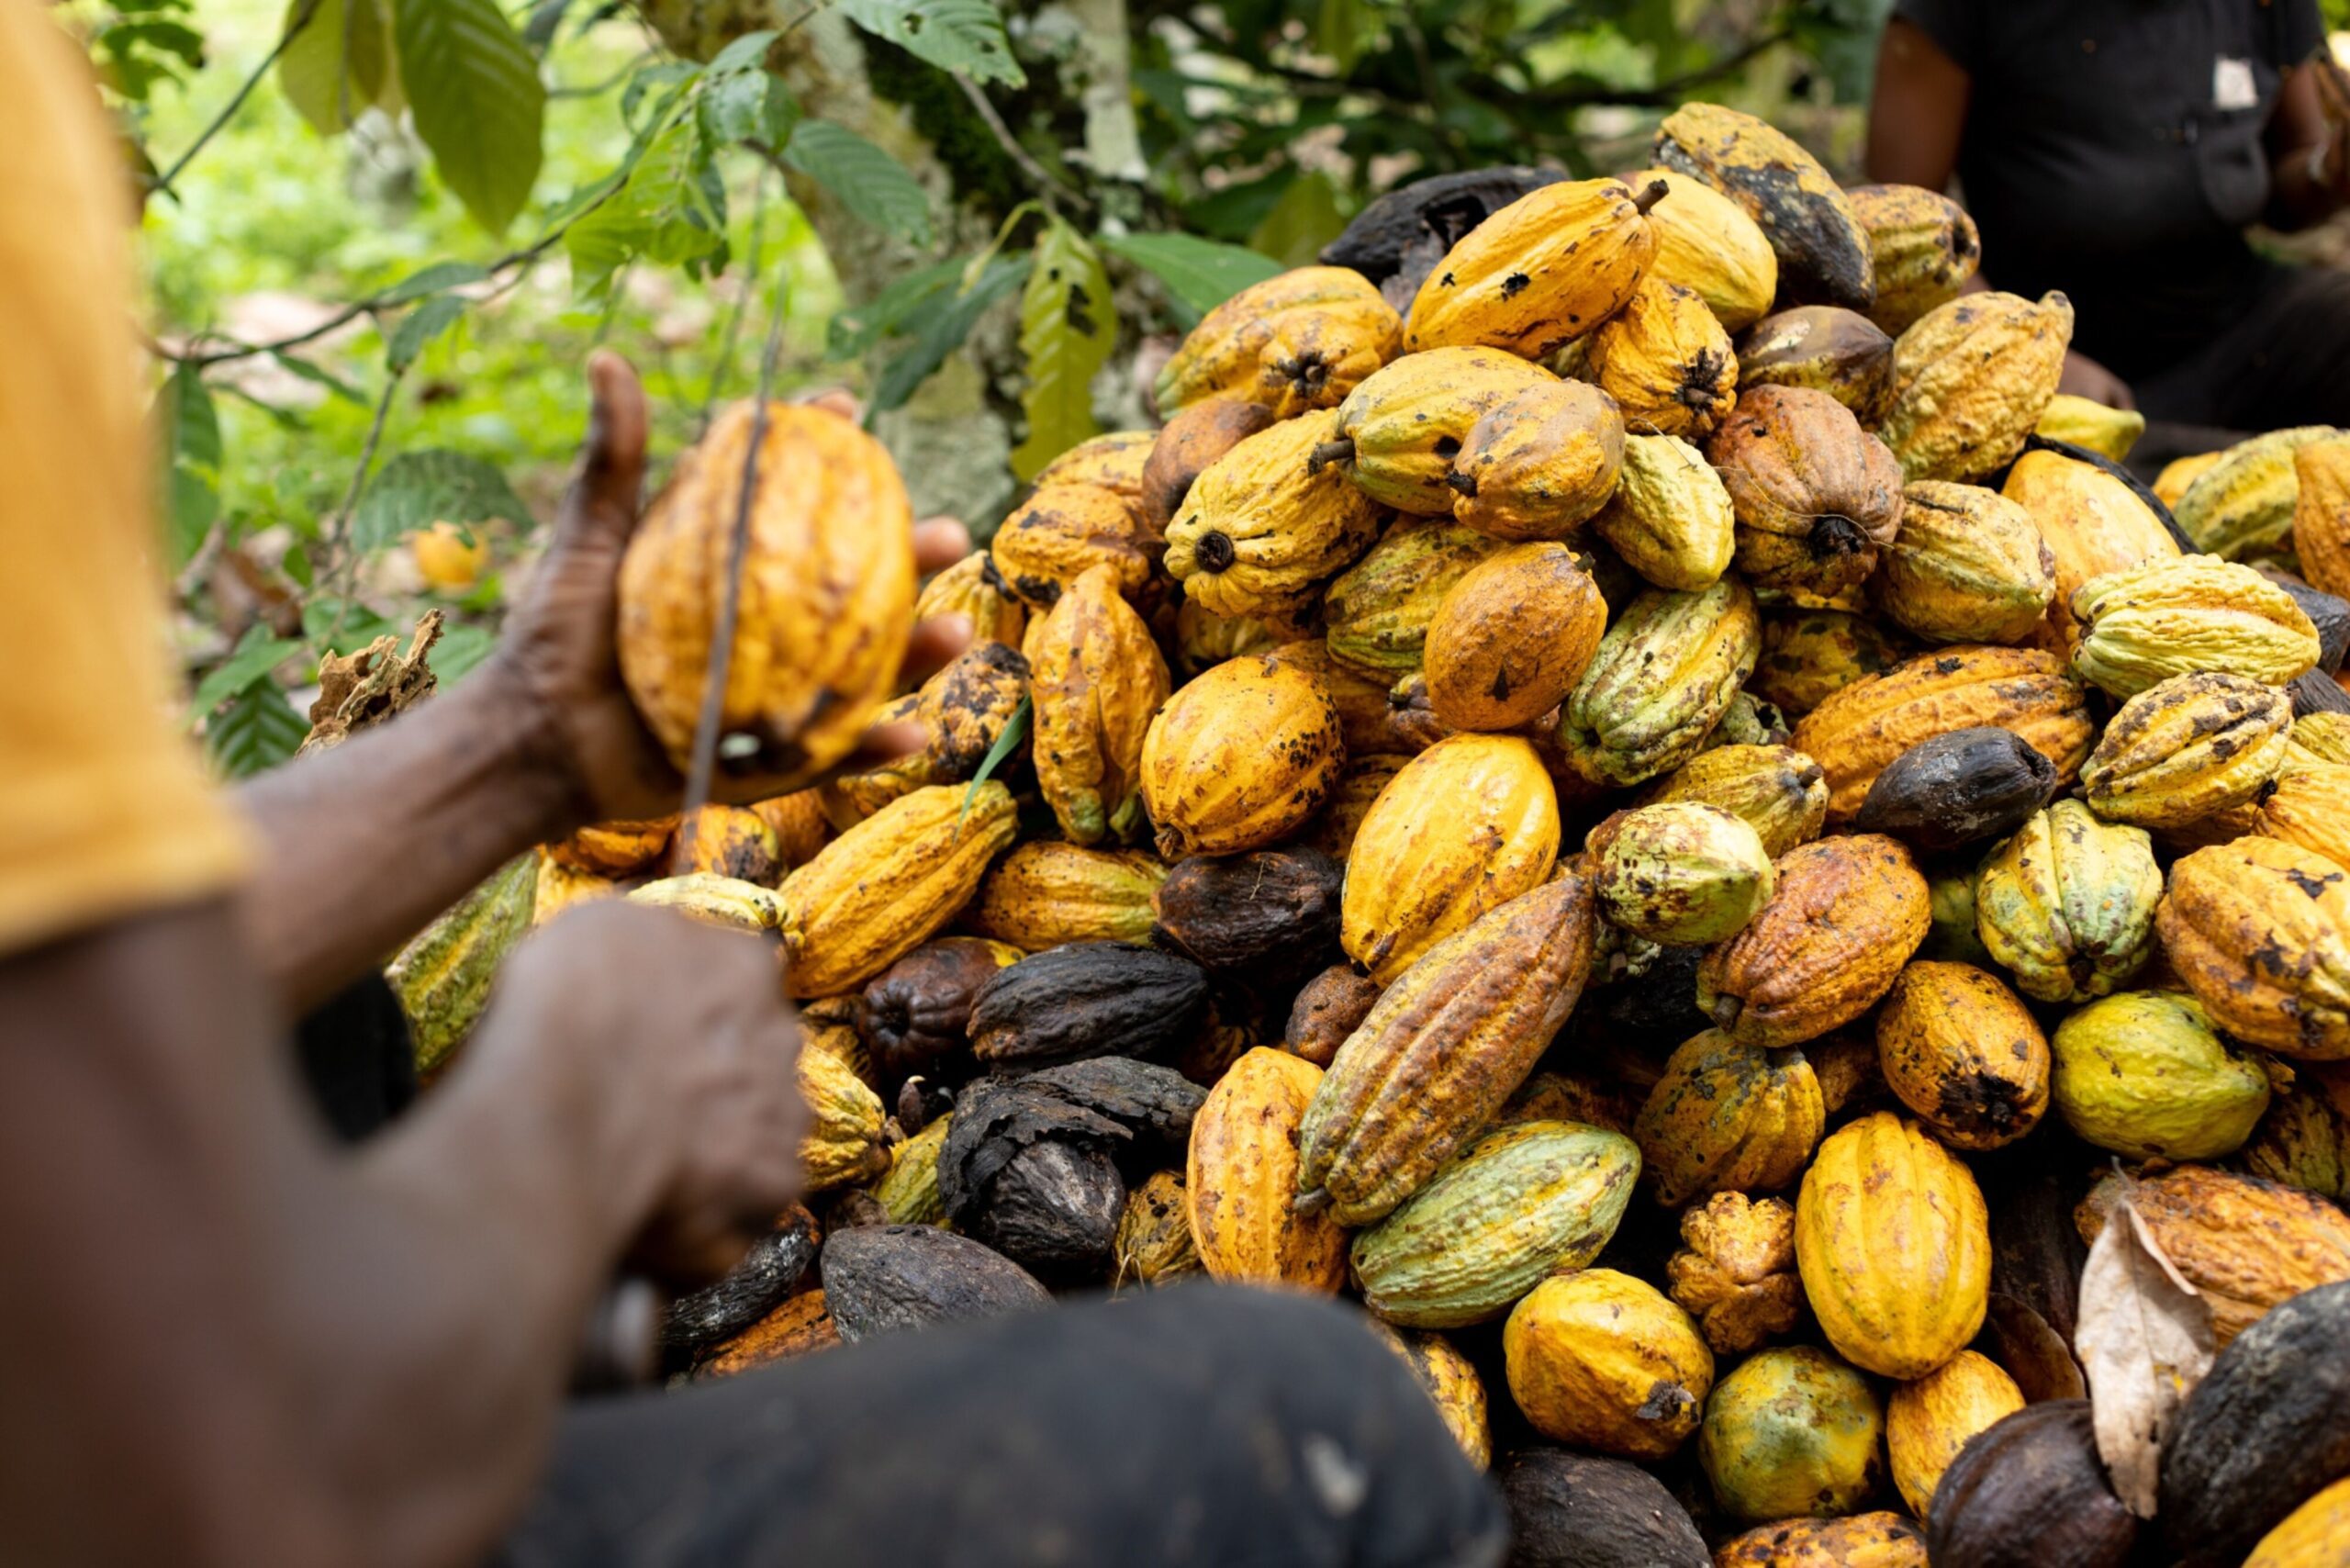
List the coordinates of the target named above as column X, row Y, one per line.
column 1622, row 782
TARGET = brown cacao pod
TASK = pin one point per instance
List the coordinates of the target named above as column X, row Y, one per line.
column 1829, row 350
column 1241, row 1180
column 914, row 1016
column 1058, row 534
column 885, row 1278
column 1816, row 495
column 1090, row 999
column 1331, row 1006
column 1964, row 1053
column 1271, row 914
column 1957, row 788
column 1847, row 914
column 2031, row 1490
column 1240, row 759
column 2247, row 1244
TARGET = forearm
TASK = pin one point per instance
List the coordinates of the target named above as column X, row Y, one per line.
column 366, row 843
column 2301, row 196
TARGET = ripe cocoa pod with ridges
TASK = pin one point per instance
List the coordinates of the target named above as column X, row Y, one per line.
column 1662, row 679
column 843, row 1144
column 2068, row 904
column 2321, row 514
column 1333, row 832
column 1240, row 1183
column 1190, row 441
column 1779, row 791
column 2247, row 1244
column 2143, row 1074
column 1046, row 893
column 1300, row 341
column 962, row 711
column 1858, row 1541
column 1113, row 459
column 1401, row 430
column 2308, row 806
column 1452, row 1385
column 615, row 848
column 1670, row 518
column 1376, row 614
column 1062, row 532
column 1823, row 251
column 1967, row 566
column 970, row 587
column 1511, row 636
column 2313, row 1536
column 1855, row 732
column 2260, row 932
column 1922, row 250
column 1467, row 824
column 909, row 1192
column 2092, row 523
column 1847, row 914
column 1816, row 495
column 1969, row 378
column 713, row 900
column 889, row 884
column 1725, row 1117
column 1666, row 362
column 1240, row 759
column 1446, row 1044
column 1894, row 1245
column 1681, row 872
column 1539, row 463
column 1809, row 656
column 1540, row 273
column 1736, row 1274
column 2145, row 623
column 1964, row 1053
column 829, row 568
column 1154, row 1245
column 1265, row 526
column 1706, row 241
column 1791, row 1434
column 1098, row 683
column 1529, row 1200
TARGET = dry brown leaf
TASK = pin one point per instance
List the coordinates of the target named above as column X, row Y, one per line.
column 2145, row 1340
column 2031, row 1351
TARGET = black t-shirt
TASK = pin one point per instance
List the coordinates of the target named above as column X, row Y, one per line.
column 2114, row 149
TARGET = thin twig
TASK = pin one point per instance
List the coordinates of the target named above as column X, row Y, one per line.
column 346, row 565
column 163, row 181
column 1036, row 172
column 742, row 306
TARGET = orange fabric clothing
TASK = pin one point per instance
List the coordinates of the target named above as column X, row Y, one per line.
column 104, row 807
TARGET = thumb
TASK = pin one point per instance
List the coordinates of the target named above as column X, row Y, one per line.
column 602, row 503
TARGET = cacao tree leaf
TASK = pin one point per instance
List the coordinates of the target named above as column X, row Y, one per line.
column 938, row 328
column 254, row 734
column 334, row 67
column 420, row 327
column 962, row 36
column 749, row 106
column 1200, row 274
column 869, row 182
column 1067, row 330
column 671, row 212
column 2145, row 1340
column 857, row 330
column 416, row 489
column 191, row 447
column 432, row 280
column 253, row 658
column 317, row 376
column 474, row 87
column 1305, row 220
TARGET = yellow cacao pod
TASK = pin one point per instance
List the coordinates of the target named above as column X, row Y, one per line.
column 1062, row 532
column 1682, row 873
column 800, row 825
column 2179, row 473
column 2318, row 737
column 1452, row 1386
column 1856, row 731
column 908, row 1193
column 1604, row 1361
column 1153, row 1243
column 615, row 848
column 1706, row 241
column 1539, row 463
column 1047, row 893
column 1779, row 791
column 1970, row 380
column 1928, row 1421
column 2091, row 523
column 1399, row 431
column 970, row 587
column 2190, row 747
column 1894, row 1246
column 828, row 593
column 1810, row 654
column 1964, row 1053
column 442, row 977
column 2084, row 423
column 1099, row 681
column 559, row 887
column 2247, row 1244
column 1441, row 1049
column 1240, row 759
column 1374, row 718
column 2166, row 617
column 1736, row 1272
column 891, row 883
column 1858, row 1541
column 1847, row 914
column 1334, row 831
column 1670, row 517
column 1203, row 638
column 2304, row 1139
column 2260, row 931
column 1666, row 361
column 1967, row 566
column 1376, row 614
column 2314, row 1535
column 1922, row 250
column 2321, row 514
column 1823, row 250
column 1264, row 527
column 1240, row 1183
column 713, row 900
column 1727, row 1117
column 2066, row 904
column 1114, row 460
column 1540, row 273
column 2243, row 502
column 1300, row 340
column 2142, row 1074
column 2309, row 806
column 1468, row 824
column 962, row 711
column 843, row 1144
column 1511, row 638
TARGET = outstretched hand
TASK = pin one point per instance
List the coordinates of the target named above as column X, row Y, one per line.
column 561, row 646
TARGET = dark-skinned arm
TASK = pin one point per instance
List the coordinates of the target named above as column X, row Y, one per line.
column 225, row 1342
column 1917, row 122
column 364, row 844
column 2299, row 132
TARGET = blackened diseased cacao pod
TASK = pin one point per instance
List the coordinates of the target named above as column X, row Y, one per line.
column 748, row 1292
column 2031, row 1491
column 1957, row 788
column 1574, row 1510
column 1089, row 998
column 1271, row 915
column 883, row 1278
column 915, row 1017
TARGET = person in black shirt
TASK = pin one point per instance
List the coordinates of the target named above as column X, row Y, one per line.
column 2117, row 150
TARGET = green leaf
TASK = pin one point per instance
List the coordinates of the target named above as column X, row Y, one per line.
column 938, row 329
column 318, row 376
column 1200, row 274
column 478, row 105
column 462, row 646
column 962, row 36
column 416, row 489
column 420, row 327
column 192, row 454
column 670, row 212
column 359, row 626
column 251, row 662
column 869, row 182
column 753, row 106
column 1067, row 330
column 333, row 68
column 741, row 55
column 256, row 733
column 1343, row 29
column 1007, row 741
column 432, row 280
column 856, row 331
column 1305, row 220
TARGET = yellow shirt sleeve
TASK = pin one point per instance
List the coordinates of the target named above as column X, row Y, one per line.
column 106, row 809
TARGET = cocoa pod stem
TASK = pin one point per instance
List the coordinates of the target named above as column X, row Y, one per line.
column 1339, row 451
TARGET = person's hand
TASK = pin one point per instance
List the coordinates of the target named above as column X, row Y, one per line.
column 674, row 1053
column 559, row 652
column 2084, row 378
